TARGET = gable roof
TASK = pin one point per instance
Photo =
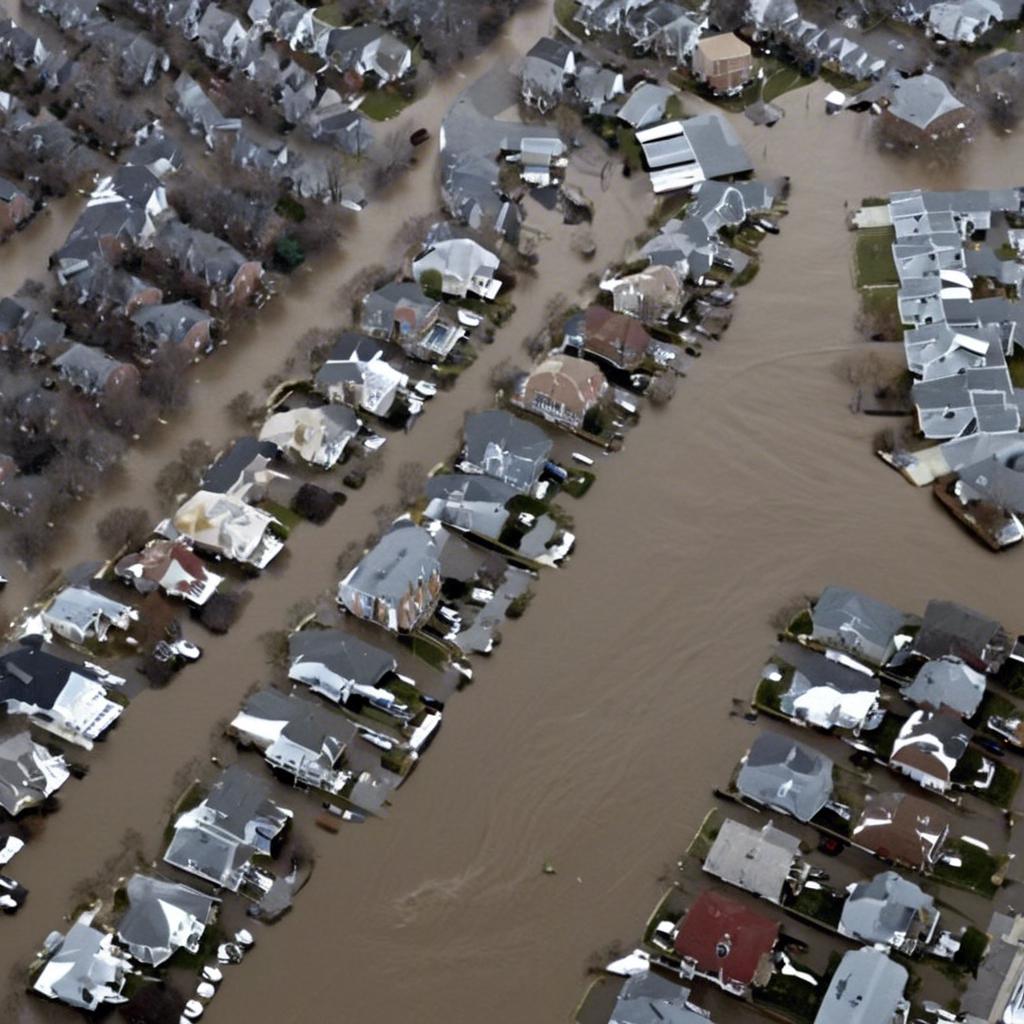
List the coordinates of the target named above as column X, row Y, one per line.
column 160, row 917
column 884, row 909
column 756, row 860
column 862, row 624
column 953, row 629
column 341, row 653
column 779, row 772
column 867, row 988
column 947, row 682
column 29, row 773
column 901, row 827
column 723, row 936
column 649, row 998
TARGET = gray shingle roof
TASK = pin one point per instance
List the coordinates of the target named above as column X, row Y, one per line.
column 781, row 773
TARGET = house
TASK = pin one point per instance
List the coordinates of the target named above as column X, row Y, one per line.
column 765, row 861
column 1001, row 77
column 357, row 374
column 41, row 337
column 94, row 372
column 110, row 291
column 20, row 47
column 84, row 969
column 665, row 29
column 218, row 838
column 105, row 229
column 505, row 447
column 58, row 695
column 78, row 614
column 226, row 527
column 13, row 317
column 542, row 160
column 368, row 49
column 138, row 60
column 338, row 665
column 400, row 311
column 564, row 390
column 29, row 773
column 220, row 35
column 469, row 501
column 231, row 278
column 618, row 340
column 199, row 112
column 649, row 998
column 860, row 625
column 242, row 471
column 950, row 629
column 866, row 988
column 903, row 829
column 172, row 567
column 163, row 917
column 922, row 109
column 175, row 323
column 724, row 942
column 318, row 436
column 397, row 583
column 682, row 153
column 652, row 295
column 69, row 14
column 334, row 123
column 889, row 911
column 785, row 775
column 929, row 746
column 158, row 152
column 547, row 65
column 997, row 991
column 596, row 88
column 724, row 63
column 645, row 105
column 965, row 21
column 465, row 266
column 823, row 691
column 298, row 738
column 15, row 207
column 948, row 682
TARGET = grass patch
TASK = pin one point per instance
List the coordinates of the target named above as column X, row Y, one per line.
column 784, row 79
column 882, row 739
column 1004, row 783
column 873, row 257
column 1015, row 364
column 332, row 14
column 874, row 201
column 579, row 482
column 974, row 873
column 287, row 520
column 769, row 692
column 802, row 624
column 701, row 844
column 973, row 945
column 747, row 274
column 822, row 905
column 384, row 104
column 994, row 705
column 629, row 148
column 791, row 997
column 431, row 651
column 880, row 301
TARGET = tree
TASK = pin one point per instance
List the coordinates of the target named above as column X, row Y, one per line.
column 243, row 408
column 221, row 611
column 313, row 503
column 288, row 253
column 183, row 473
column 432, row 283
column 123, row 528
column 390, row 159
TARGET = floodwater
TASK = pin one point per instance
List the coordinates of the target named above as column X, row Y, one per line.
column 594, row 736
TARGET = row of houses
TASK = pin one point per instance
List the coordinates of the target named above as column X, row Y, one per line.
column 827, row 677
column 957, row 281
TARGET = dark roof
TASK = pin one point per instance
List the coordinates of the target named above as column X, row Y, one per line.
column 224, row 473
column 343, row 654
column 309, row 725
column 30, row 674
column 952, row 629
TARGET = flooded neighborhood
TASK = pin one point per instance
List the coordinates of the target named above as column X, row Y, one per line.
column 465, row 519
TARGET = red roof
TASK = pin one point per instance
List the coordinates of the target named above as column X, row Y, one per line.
column 721, row 935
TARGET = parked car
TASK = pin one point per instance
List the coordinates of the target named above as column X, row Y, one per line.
column 419, row 136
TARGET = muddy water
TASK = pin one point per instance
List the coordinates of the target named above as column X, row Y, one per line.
column 593, row 737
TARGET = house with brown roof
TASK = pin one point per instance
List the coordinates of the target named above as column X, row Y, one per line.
column 617, row 339
column 563, row 389
column 171, row 566
column 724, row 942
column 929, row 747
column 902, row 829
column 15, row 207
column 724, row 63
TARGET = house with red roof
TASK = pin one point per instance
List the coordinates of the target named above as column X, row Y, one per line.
column 724, row 942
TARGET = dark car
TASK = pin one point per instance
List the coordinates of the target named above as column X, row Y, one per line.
column 990, row 745
column 419, row 136
column 830, row 846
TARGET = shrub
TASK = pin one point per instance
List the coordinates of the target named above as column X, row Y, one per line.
column 221, row 612
column 288, row 253
column 313, row 503
column 432, row 283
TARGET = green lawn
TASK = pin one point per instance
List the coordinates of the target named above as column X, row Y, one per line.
column 579, row 482
column 769, row 692
column 976, row 871
column 1016, row 367
column 873, row 256
column 791, row 997
column 784, row 79
column 1004, row 784
column 882, row 739
column 383, row 104
column 332, row 14
column 823, row 905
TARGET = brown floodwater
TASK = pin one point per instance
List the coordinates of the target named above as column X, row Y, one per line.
column 594, row 735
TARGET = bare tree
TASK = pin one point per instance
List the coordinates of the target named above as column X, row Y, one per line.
column 123, row 528
column 411, row 479
column 662, row 389
column 390, row 159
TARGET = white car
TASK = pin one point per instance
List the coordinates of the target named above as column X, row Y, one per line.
column 425, row 389
column 193, row 1010
column 187, row 650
